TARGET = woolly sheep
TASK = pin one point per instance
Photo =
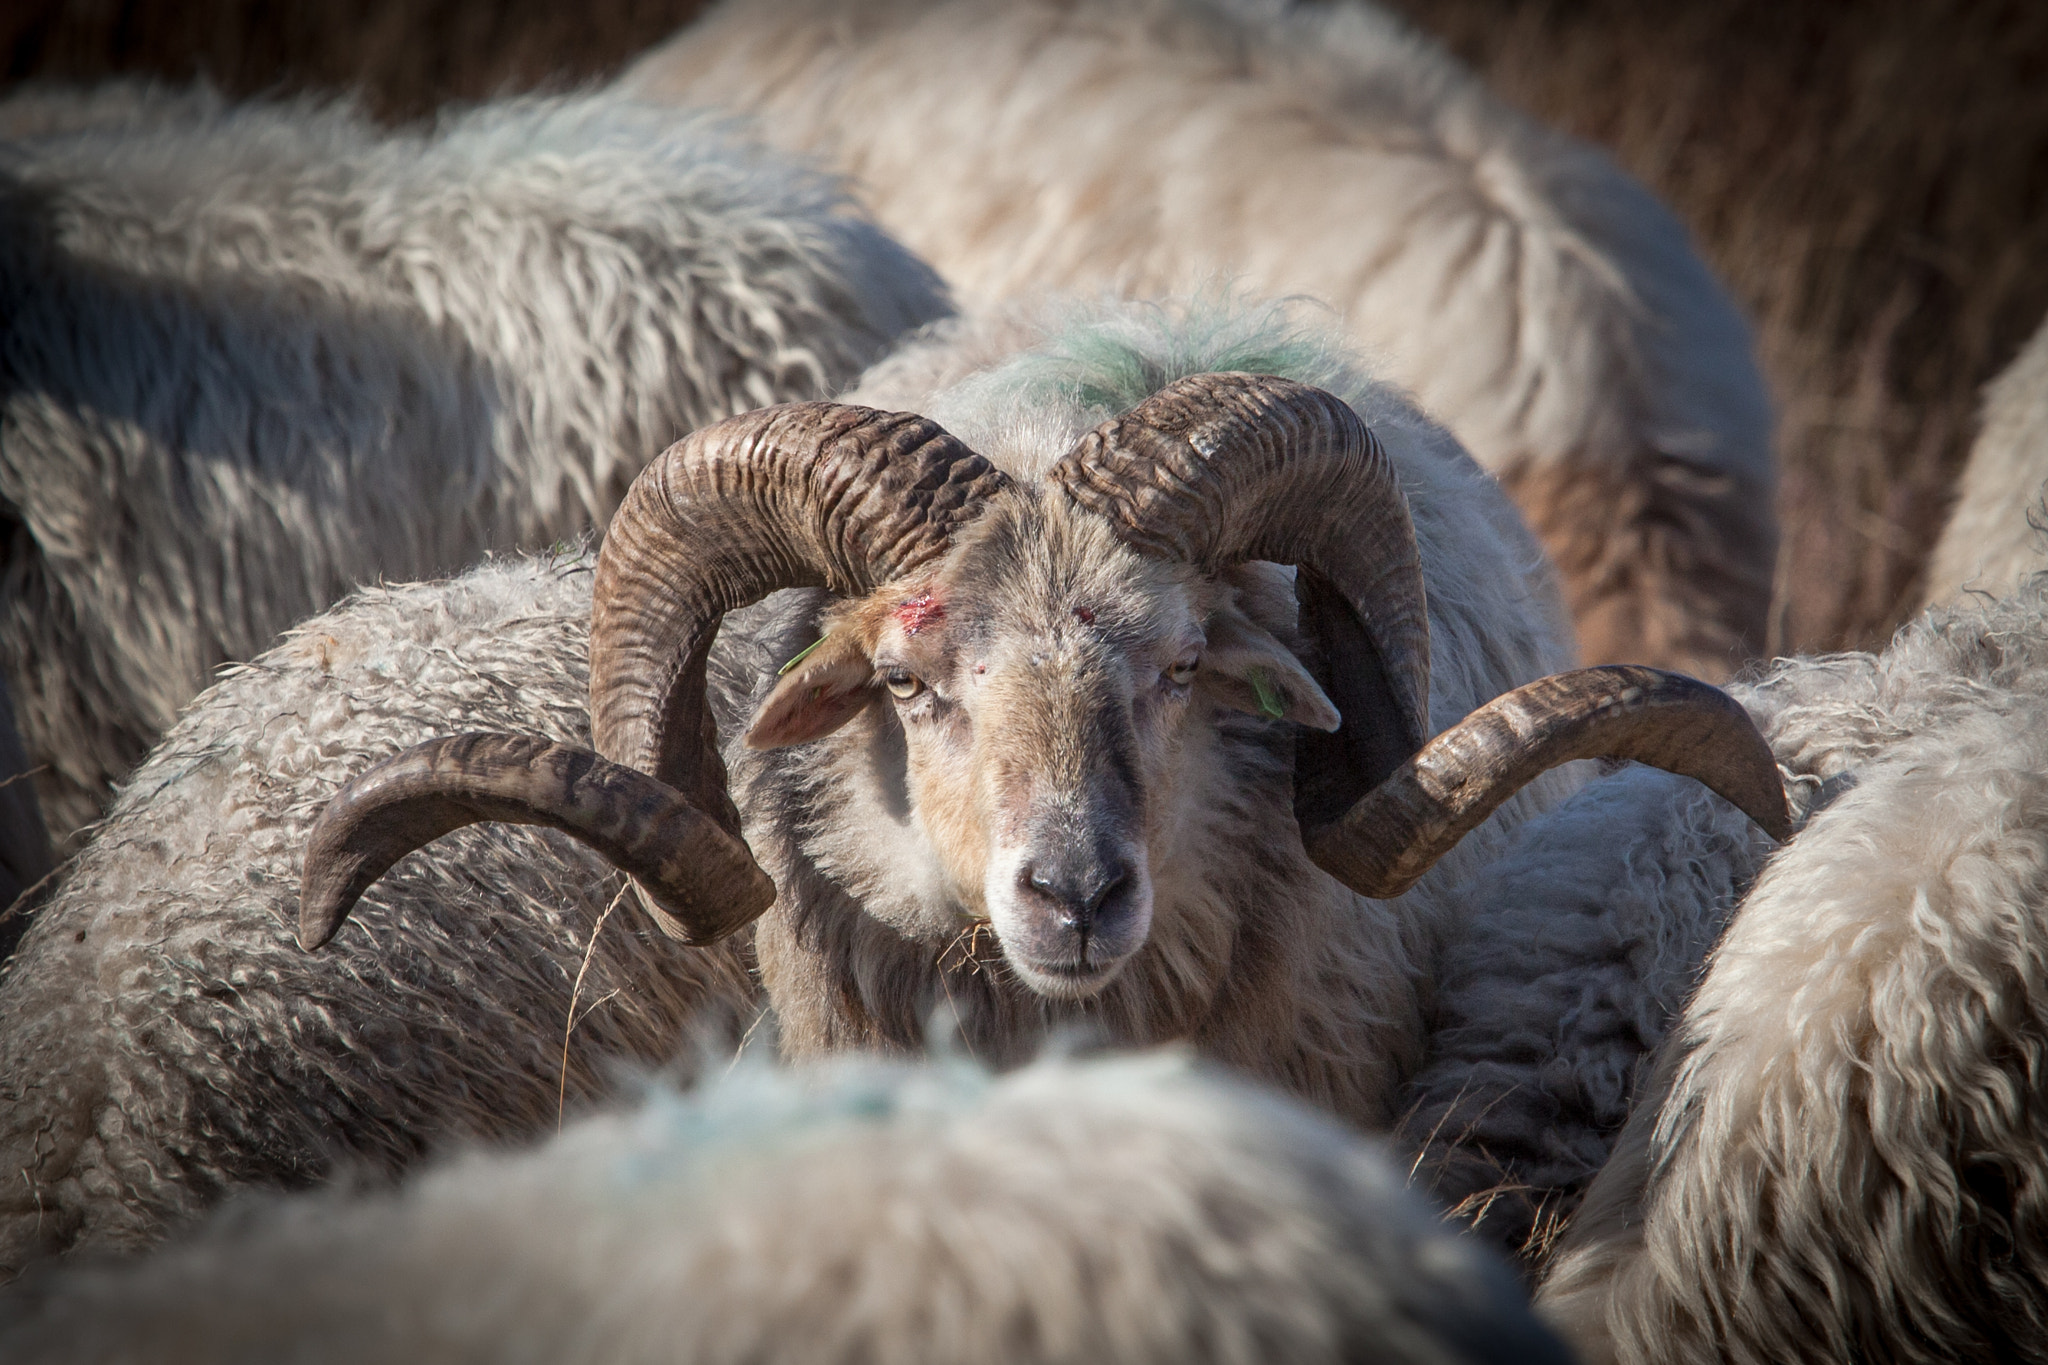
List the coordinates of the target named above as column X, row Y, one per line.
column 1135, row 1209
column 1839, row 1155
column 1598, row 917
column 1995, row 535
column 252, row 356
column 1842, row 1154
column 1536, row 299
column 1313, row 987
column 162, row 1039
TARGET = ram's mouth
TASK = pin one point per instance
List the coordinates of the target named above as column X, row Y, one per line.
column 1071, row 979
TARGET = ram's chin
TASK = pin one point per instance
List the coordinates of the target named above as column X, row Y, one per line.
column 1065, row 980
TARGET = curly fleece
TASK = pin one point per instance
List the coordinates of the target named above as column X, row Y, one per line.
column 164, row 1039
column 1842, row 1156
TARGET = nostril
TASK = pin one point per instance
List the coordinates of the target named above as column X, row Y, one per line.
column 1111, row 884
column 1046, row 883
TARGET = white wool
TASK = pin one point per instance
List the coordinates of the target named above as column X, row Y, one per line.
column 164, row 1039
column 1843, row 1154
column 1577, row 949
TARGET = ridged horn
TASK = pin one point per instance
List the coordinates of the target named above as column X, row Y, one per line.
column 1220, row 468
column 695, row 871
column 806, row 494
column 1397, row 832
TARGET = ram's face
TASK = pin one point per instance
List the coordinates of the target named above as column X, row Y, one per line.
column 1051, row 687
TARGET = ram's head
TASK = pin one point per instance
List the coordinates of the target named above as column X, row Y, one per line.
column 1048, row 652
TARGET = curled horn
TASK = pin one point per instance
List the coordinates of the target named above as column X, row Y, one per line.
column 1397, row 831
column 806, row 495
column 1216, row 469
column 1220, row 468
column 693, row 869
column 802, row 495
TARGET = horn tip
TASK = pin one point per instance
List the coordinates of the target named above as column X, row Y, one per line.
column 1776, row 819
column 324, row 905
column 696, row 924
column 316, row 929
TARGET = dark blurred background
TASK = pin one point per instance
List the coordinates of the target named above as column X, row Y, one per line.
column 1870, row 176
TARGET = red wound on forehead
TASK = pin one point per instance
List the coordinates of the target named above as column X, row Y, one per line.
column 1086, row 614
column 919, row 612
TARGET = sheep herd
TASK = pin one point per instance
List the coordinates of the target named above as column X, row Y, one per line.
column 918, row 686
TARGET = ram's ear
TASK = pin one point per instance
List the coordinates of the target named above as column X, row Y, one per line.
column 821, row 689
column 1245, row 668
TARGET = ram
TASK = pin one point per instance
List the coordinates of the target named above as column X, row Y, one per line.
column 252, row 356
column 1052, row 764
column 1130, row 1209
column 1998, row 532
column 1008, row 772
column 1534, row 298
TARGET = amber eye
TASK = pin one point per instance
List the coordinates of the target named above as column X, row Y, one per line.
column 902, row 686
column 1182, row 672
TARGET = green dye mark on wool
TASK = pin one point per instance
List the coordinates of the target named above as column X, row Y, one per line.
column 1269, row 697
column 1111, row 364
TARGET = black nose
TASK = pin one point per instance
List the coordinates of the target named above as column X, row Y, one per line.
column 1080, row 886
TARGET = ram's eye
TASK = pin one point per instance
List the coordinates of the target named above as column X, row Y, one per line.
column 1182, row 672
column 902, row 686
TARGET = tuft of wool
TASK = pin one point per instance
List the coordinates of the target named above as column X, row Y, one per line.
column 1578, row 948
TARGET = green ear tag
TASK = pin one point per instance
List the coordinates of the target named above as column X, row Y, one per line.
column 1269, row 699
column 802, row 654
